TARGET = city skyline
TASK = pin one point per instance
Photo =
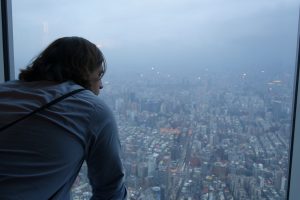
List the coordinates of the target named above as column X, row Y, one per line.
column 215, row 138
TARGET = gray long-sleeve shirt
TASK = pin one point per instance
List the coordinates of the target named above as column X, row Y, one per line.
column 41, row 156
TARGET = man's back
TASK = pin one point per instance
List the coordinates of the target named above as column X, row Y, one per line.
column 41, row 155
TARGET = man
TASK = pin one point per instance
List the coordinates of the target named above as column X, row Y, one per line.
column 41, row 153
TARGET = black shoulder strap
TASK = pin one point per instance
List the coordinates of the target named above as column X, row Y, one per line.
column 41, row 108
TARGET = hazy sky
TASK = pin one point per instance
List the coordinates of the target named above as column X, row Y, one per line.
column 170, row 35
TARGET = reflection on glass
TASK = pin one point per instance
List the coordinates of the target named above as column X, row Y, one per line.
column 202, row 90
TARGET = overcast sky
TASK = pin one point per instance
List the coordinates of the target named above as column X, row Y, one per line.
column 170, row 35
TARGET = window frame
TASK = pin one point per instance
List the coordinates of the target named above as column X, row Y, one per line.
column 294, row 165
column 7, row 72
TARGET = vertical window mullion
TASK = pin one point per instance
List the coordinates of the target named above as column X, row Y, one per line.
column 294, row 174
column 7, row 59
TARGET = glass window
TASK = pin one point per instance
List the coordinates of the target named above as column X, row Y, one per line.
column 202, row 90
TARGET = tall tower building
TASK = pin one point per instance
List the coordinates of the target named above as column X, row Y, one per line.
column 156, row 193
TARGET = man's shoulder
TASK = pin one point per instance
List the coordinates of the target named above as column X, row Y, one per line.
column 101, row 110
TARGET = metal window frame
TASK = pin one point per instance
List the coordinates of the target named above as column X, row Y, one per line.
column 7, row 71
column 2, row 76
column 294, row 165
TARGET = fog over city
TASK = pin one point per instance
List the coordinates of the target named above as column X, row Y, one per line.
column 174, row 36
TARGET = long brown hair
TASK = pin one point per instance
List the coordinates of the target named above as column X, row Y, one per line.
column 66, row 59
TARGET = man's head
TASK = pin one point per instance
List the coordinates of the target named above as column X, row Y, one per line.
column 68, row 59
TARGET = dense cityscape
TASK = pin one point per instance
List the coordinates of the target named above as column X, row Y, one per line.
column 216, row 136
